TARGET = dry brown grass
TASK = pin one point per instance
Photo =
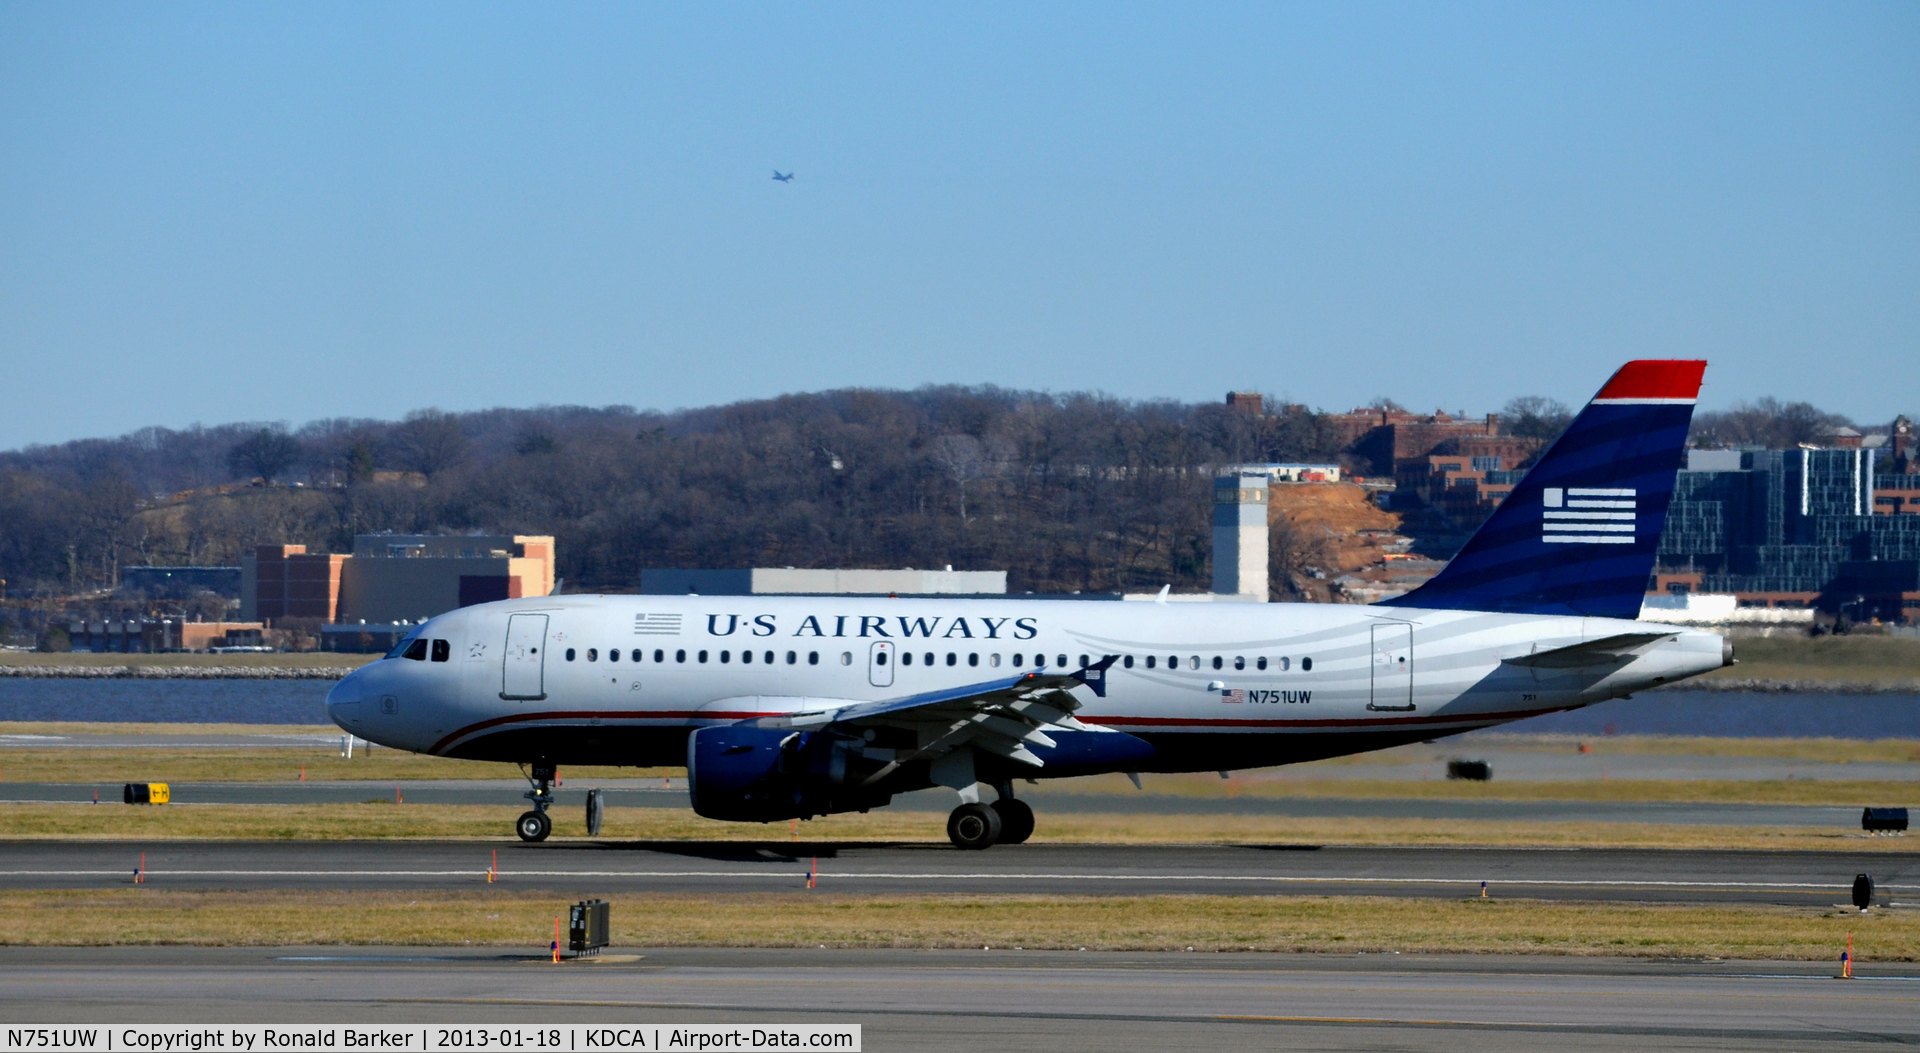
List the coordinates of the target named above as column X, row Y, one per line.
column 498, row 917
column 1283, row 784
column 1855, row 659
column 110, row 767
column 385, row 820
column 1823, row 750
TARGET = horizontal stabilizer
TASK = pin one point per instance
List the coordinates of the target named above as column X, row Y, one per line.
column 1604, row 651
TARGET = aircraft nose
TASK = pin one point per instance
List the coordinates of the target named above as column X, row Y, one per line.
column 343, row 701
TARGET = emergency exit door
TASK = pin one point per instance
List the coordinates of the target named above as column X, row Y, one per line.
column 524, row 675
column 880, row 664
column 1392, row 667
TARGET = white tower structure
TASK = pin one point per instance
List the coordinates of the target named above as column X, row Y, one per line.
column 1240, row 536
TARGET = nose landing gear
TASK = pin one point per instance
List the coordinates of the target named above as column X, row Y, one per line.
column 535, row 825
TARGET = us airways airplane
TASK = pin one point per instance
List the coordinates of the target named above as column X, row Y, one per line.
column 793, row 707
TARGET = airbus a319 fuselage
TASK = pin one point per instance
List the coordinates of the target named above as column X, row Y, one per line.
column 799, row 706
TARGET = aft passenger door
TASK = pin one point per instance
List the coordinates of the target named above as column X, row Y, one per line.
column 524, row 675
column 880, row 664
column 1392, row 667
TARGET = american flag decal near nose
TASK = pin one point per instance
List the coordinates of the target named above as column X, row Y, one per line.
column 1591, row 516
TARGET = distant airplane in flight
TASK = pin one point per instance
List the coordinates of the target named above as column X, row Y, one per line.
column 788, row 178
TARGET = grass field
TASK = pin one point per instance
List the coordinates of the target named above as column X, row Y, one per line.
column 381, row 819
column 1850, row 659
column 115, row 766
column 498, row 917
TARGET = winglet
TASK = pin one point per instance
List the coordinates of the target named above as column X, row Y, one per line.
column 1095, row 675
column 1164, row 589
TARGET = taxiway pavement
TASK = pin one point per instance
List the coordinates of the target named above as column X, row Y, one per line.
column 938, row 1001
column 587, row 867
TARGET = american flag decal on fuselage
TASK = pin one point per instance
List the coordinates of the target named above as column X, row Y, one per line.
column 656, row 625
column 1588, row 515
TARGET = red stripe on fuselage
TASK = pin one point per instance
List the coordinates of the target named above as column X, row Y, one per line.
column 593, row 714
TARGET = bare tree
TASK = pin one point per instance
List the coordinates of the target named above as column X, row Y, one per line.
column 963, row 459
column 266, row 453
column 430, row 442
column 1536, row 417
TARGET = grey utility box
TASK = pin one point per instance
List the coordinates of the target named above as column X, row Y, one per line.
column 587, row 926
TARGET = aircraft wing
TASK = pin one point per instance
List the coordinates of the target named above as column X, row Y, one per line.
column 999, row 716
column 1604, row 651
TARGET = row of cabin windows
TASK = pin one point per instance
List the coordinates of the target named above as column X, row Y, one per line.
column 1281, row 664
column 746, row 657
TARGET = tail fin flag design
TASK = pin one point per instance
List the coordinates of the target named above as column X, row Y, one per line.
column 1579, row 533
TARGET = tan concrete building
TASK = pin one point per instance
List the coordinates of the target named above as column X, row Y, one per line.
column 393, row 577
column 396, row 577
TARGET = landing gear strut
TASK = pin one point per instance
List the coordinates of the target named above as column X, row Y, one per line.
column 534, row 825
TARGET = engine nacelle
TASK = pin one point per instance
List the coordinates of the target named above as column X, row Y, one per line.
column 750, row 774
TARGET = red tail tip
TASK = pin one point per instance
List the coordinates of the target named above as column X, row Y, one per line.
column 1655, row 378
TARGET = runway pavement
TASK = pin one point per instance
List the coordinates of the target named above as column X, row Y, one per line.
column 636, row 793
column 696, row 867
column 971, row 1000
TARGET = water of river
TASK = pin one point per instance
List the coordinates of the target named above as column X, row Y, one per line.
column 1720, row 713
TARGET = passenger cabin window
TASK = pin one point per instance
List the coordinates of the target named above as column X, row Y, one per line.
column 952, row 659
column 569, row 654
column 1149, row 661
column 769, row 657
column 1062, row 660
column 973, row 659
column 1239, row 662
column 1306, row 665
column 639, row 654
column 1216, row 661
column 813, row 658
column 1019, row 660
column 679, row 656
column 593, row 654
column 792, row 658
column 906, row 658
column 1285, row 663
column 702, row 656
column 1260, row 663
column 417, row 650
column 993, row 659
column 442, row 650
column 613, row 654
column 846, row 658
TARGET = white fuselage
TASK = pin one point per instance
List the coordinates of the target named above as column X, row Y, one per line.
column 624, row 679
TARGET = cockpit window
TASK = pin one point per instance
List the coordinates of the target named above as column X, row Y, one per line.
column 405, row 642
column 442, row 650
column 417, row 650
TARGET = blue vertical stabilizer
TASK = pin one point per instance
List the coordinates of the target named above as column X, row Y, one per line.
column 1578, row 535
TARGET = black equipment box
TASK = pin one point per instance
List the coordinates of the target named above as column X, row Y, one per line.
column 587, row 926
column 1883, row 819
column 1471, row 770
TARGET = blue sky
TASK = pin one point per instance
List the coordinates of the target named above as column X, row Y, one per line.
column 214, row 212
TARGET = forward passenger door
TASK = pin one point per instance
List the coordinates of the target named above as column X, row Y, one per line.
column 523, row 677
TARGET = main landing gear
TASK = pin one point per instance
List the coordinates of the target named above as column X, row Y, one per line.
column 534, row 825
column 1007, row 821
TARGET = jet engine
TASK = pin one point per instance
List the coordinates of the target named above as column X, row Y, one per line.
column 753, row 774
